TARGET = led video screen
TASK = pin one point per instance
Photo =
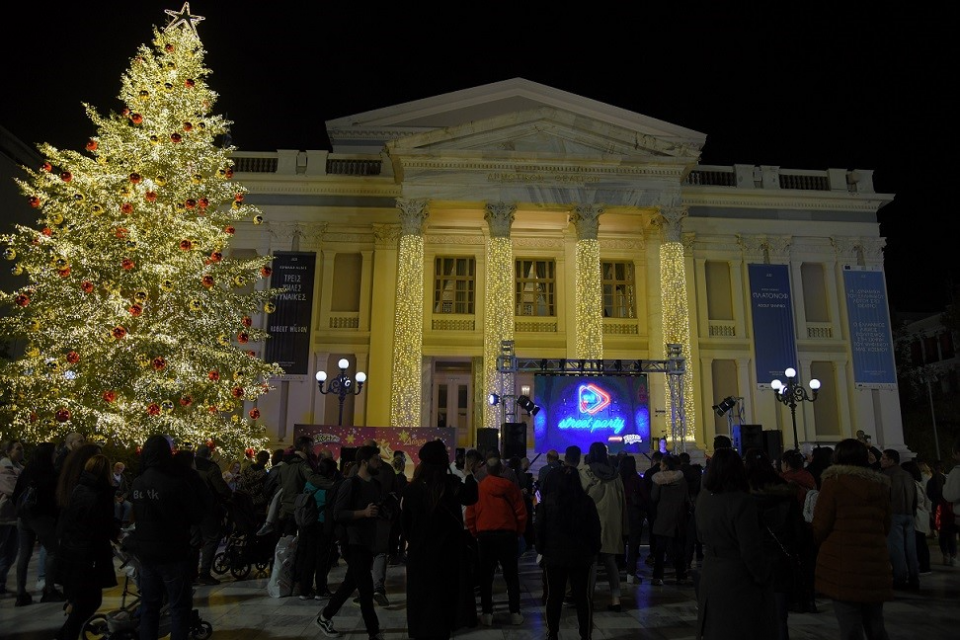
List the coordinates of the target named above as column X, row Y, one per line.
column 579, row 410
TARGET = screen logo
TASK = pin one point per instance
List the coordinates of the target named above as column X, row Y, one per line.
column 592, row 399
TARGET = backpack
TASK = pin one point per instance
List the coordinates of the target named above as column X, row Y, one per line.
column 306, row 511
column 339, row 529
column 329, row 524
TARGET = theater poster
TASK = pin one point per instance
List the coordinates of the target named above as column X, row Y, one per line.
column 389, row 439
column 871, row 338
column 289, row 325
column 774, row 342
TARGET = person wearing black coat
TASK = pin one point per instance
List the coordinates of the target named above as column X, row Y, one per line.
column 165, row 506
column 85, row 556
column 568, row 538
column 40, row 522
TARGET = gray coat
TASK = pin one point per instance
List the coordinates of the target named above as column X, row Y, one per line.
column 735, row 595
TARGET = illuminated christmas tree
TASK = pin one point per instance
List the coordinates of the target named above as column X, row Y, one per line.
column 135, row 318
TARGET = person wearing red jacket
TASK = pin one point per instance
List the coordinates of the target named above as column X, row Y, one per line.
column 497, row 519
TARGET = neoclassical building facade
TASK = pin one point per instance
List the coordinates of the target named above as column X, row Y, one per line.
column 571, row 229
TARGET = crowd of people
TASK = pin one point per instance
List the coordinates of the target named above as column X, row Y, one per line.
column 755, row 538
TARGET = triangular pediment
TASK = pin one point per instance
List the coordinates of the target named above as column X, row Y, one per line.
column 513, row 116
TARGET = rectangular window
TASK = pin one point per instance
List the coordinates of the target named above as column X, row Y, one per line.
column 619, row 294
column 455, row 281
column 814, row 292
column 536, row 288
column 719, row 291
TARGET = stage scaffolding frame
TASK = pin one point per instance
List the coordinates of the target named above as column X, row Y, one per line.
column 674, row 367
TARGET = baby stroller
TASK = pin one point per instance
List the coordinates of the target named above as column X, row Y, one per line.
column 124, row 623
column 244, row 549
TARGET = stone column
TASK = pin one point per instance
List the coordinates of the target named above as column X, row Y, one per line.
column 384, row 293
column 408, row 319
column 675, row 313
column 498, row 303
column 589, row 303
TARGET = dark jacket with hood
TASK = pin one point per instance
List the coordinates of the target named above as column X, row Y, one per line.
column 671, row 496
column 43, row 476
column 568, row 534
column 86, row 527
column 602, row 483
column 781, row 523
column 165, row 505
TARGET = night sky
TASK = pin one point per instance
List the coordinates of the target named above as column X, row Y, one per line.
column 813, row 88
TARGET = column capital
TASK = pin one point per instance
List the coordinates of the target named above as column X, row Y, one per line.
column 586, row 220
column 671, row 221
column 499, row 217
column 413, row 216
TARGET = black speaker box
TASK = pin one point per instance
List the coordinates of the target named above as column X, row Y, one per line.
column 773, row 444
column 747, row 436
column 488, row 439
column 514, row 439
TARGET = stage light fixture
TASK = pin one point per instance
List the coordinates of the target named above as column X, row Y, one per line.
column 493, row 399
column 725, row 405
column 527, row 405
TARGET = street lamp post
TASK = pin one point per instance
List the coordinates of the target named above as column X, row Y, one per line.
column 342, row 385
column 925, row 377
column 793, row 393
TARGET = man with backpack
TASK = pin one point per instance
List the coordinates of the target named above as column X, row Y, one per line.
column 296, row 471
column 357, row 511
column 313, row 547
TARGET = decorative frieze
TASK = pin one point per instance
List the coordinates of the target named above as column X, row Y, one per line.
column 386, row 236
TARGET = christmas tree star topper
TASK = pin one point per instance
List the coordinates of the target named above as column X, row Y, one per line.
column 183, row 17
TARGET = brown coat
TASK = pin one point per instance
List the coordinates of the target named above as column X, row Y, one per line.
column 850, row 523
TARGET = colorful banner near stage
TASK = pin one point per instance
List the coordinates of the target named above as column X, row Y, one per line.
column 289, row 325
column 774, row 342
column 389, row 439
column 871, row 338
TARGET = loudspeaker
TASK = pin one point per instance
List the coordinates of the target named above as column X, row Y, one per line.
column 773, row 444
column 347, row 455
column 747, row 436
column 487, row 439
column 514, row 438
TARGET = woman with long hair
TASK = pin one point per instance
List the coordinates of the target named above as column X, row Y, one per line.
column 735, row 596
column 851, row 522
column 601, row 482
column 85, row 557
column 568, row 537
column 73, row 466
column 431, row 517
column 39, row 522
column 636, row 502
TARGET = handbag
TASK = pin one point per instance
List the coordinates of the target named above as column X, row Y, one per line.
column 791, row 557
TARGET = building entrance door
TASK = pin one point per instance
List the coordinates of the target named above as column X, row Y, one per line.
column 453, row 401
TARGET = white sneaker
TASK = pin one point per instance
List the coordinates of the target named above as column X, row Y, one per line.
column 41, row 584
column 516, row 618
column 629, row 578
column 326, row 626
column 486, row 619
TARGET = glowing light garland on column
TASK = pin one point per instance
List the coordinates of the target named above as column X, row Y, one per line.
column 408, row 334
column 589, row 301
column 498, row 308
column 676, row 322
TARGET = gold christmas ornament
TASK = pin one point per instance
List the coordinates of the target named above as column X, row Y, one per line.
column 269, row 307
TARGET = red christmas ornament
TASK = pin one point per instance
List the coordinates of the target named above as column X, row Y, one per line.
column 153, row 409
column 252, row 354
column 186, row 245
column 214, row 375
column 151, row 196
column 237, row 392
column 64, row 273
column 86, row 286
column 254, row 413
column 176, row 138
column 228, row 173
column 204, row 203
column 109, row 396
column 266, row 271
column 216, row 256
column 168, row 48
column 73, row 357
column 33, row 417
column 92, row 145
column 127, row 264
column 46, row 166
column 66, row 176
column 136, row 178
column 207, row 281
column 187, row 126
column 62, row 415
column 247, row 321
column 159, row 363
column 136, row 118
column 125, row 112
column 229, row 229
column 22, row 300
column 189, row 83
column 212, row 408
column 186, row 401
column 121, row 233
column 243, row 338
column 47, row 231
column 190, row 203
column 136, row 310
column 119, row 332
column 249, row 452
column 126, row 208
column 238, row 197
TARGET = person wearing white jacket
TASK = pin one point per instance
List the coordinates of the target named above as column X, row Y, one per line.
column 951, row 488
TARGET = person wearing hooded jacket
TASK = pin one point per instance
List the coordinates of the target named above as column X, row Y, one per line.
column 602, row 483
column 671, row 496
column 165, row 507
column 40, row 523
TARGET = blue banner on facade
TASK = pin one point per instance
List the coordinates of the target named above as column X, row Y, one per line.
column 774, row 342
column 289, row 326
column 871, row 338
